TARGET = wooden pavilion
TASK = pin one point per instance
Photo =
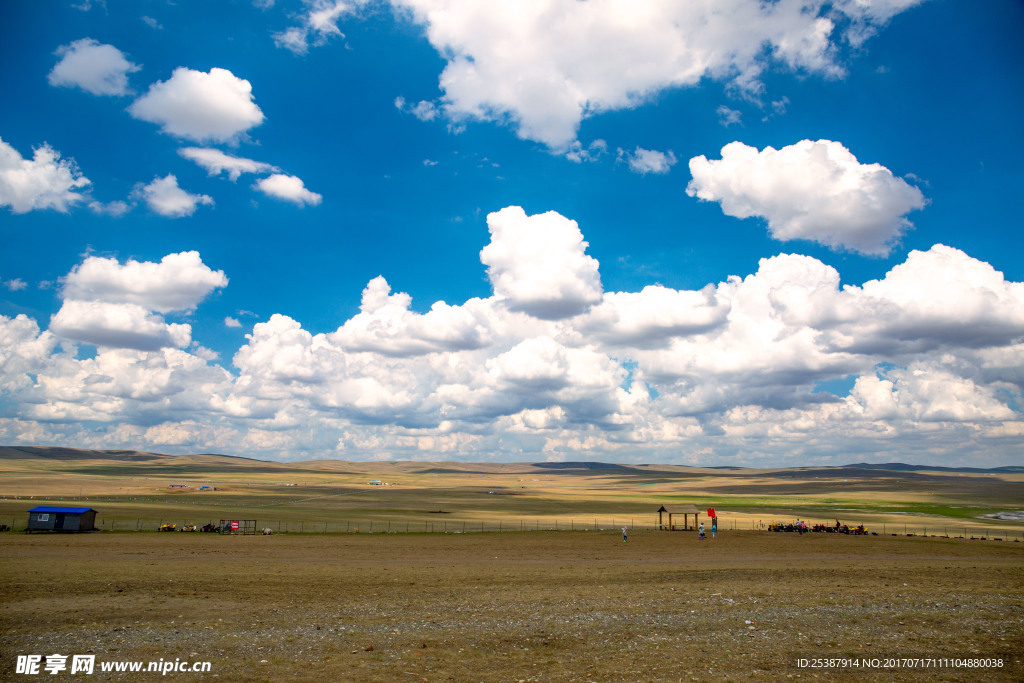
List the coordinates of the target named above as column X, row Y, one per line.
column 675, row 511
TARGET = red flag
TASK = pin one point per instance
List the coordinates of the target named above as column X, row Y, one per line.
column 711, row 513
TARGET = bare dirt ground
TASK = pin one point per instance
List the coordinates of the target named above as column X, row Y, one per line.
column 533, row 606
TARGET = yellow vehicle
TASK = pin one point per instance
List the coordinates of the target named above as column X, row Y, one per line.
column 168, row 527
column 188, row 526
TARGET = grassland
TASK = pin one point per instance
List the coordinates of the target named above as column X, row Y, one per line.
column 132, row 492
column 577, row 604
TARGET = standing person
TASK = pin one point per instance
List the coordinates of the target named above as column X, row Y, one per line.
column 624, row 534
column 700, row 531
column 714, row 527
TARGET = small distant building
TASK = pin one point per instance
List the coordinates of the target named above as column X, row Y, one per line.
column 53, row 518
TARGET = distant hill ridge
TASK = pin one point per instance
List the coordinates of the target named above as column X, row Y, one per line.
column 70, row 454
column 899, row 466
column 61, row 453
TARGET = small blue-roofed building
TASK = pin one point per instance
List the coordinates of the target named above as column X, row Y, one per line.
column 54, row 518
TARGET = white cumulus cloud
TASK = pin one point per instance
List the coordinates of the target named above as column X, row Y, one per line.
column 118, row 325
column 195, row 105
column 44, row 182
column 163, row 196
column 815, row 191
column 545, row 66
column 116, row 305
column 386, row 325
column 539, row 264
column 940, row 298
column 177, row 283
column 934, row 352
column 289, row 188
column 97, row 68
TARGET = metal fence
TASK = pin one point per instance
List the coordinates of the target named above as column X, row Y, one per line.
column 609, row 524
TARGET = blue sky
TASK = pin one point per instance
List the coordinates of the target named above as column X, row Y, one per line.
column 702, row 233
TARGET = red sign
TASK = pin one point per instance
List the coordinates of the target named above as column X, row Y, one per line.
column 711, row 513
column 234, row 526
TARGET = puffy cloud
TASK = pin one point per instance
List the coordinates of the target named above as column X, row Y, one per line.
column 177, row 283
column 164, row 197
column 44, row 182
column 117, row 325
column 386, row 325
column 756, row 356
column 280, row 351
column 646, row 161
column 130, row 389
column 111, row 305
column 216, row 106
column 941, row 298
column 811, row 190
column 727, row 373
column 546, row 66
column 539, row 265
column 216, row 162
column 652, row 317
column 289, row 188
column 926, row 393
column 97, row 68
column 24, row 350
